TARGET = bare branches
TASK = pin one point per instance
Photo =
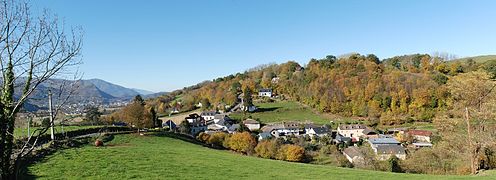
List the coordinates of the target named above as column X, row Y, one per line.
column 46, row 49
column 33, row 49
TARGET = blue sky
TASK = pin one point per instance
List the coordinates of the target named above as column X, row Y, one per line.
column 166, row 45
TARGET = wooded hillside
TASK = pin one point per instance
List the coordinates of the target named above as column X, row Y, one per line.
column 392, row 91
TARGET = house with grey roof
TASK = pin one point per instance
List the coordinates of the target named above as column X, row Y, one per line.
column 384, row 148
column 313, row 130
column 264, row 136
column 233, row 128
column 341, row 139
column 384, row 152
column 284, row 129
column 221, row 119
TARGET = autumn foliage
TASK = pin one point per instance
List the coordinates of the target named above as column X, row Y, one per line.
column 242, row 142
column 267, row 149
column 290, row 152
column 392, row 91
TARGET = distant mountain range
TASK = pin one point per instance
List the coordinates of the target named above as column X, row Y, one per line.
column 91, row 91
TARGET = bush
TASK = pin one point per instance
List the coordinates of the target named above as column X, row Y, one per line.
column 267, row 149
column 343, row 162
column 291, row 152
column 217, row 139
column 242, row 142
column 394, row 165
column 203, row 137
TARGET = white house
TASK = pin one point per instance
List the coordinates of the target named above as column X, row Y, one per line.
column 284, row 129
column 193, row 118
column 420, row 135
column 353, row 131
column 312, row 130
column 251, row 124
column 208, row 115
column 265, row 92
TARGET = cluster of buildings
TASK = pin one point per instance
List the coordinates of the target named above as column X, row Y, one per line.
column 385, row 144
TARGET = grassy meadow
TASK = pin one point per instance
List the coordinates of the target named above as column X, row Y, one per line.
column 160, row 157
column 283, row 111
column 23, row 132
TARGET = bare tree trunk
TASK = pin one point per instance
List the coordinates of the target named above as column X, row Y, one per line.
column 32, row 50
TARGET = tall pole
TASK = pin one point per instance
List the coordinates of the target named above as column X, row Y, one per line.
column 29, row 124
column 471, row 146
column 52, row 131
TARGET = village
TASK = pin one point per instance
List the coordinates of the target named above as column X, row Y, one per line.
column 347, row 137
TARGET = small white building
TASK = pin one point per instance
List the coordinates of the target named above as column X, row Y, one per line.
column 192, row 118
column 284, row 129
column 265, row 92
column 208, row 115
column 252, row 124
column 312, row 130
column 420, row 135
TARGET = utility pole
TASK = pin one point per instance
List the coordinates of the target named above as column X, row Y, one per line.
column 471, row 146
column 30, row 119
column 52, row 131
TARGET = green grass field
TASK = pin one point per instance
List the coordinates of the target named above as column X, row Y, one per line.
column 23, row 132
column 282, row 111
column 159, row 157
column 478, row 59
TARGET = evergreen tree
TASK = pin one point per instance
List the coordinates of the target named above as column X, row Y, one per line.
column 247, row 99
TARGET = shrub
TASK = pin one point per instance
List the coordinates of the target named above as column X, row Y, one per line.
column 267, row 149
column 394, row 165
column 203, row 137
column 242, row 142
column 217, row 139
column 291, row 152
column 343, row 162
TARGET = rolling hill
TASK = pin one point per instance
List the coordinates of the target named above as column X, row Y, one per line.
column 478, row 59
column 161, row 157
column 85, row 91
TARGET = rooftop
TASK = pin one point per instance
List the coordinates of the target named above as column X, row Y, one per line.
column 265, row 90
column 209, row 113
column 352, row 126
column 390, row 149
column 250, row 121
column 352, row 152
column 383, row 141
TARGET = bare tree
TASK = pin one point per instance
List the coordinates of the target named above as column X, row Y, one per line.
column 33, row 48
